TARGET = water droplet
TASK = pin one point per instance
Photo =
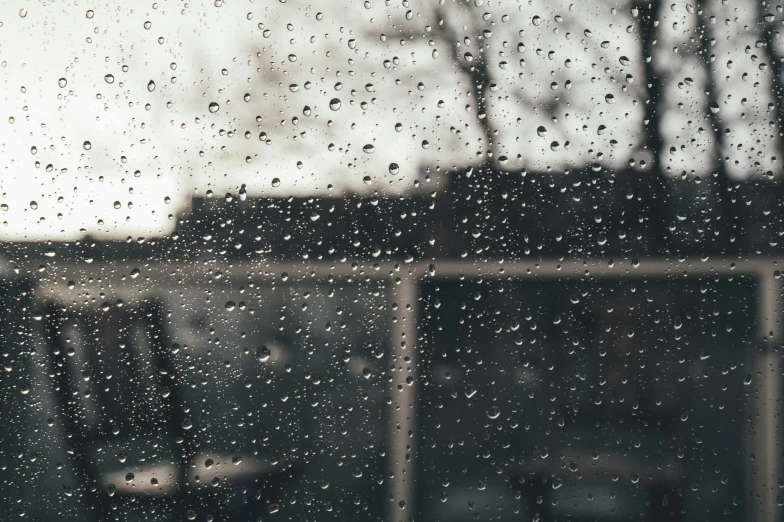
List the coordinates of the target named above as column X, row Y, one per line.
column 747, row 379
column 62, row 82
column 151, row 86
column 541, row 131
column 23, row 12
column 609, row 98
column 394, row 168
column 263, row 353
column 624, row 60
column 469, row 391
column 230, row 305
column 368, row 149
column 275, row 182
column 334, row 104
column 109, row 78
column 493, row 412
column 33, row 205
column 87, row 145
column 214, row 107
column 90, row 13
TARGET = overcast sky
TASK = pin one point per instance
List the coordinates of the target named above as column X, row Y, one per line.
column 341, row 97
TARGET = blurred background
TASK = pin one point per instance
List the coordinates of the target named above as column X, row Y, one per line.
column 483, row 260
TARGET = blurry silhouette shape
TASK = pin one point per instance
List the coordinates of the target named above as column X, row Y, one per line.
column 127, row 428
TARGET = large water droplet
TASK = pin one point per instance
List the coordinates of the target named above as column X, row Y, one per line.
column 334, row 104
column 151, row 86
column 263, row 353
column 214, row 107
column 62, row 82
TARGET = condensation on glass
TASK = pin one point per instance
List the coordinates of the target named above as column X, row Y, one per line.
column 391, row 260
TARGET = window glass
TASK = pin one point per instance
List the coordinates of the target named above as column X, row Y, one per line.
column 391, row 260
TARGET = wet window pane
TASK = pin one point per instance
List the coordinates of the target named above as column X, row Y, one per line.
column 391, row 261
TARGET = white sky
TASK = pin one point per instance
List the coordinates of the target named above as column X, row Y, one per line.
column 266, row 47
